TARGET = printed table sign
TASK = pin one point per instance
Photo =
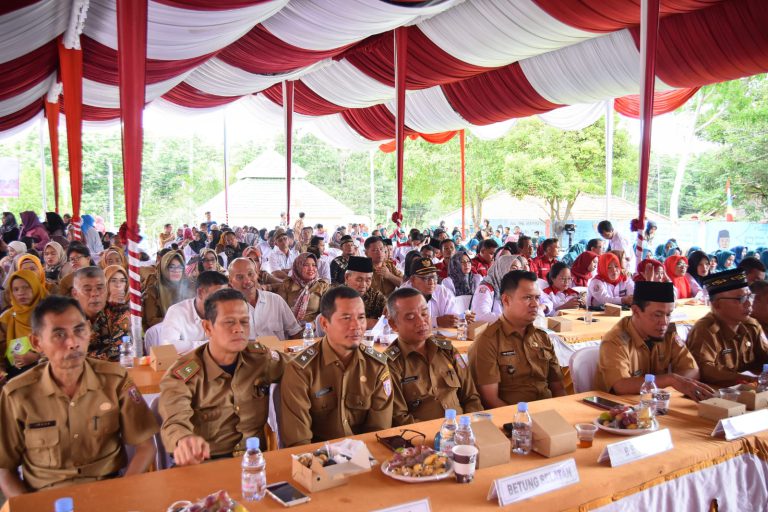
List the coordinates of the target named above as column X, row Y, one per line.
column 532, row 483
column 740, row 426
column 637, row 448
column 413, row 506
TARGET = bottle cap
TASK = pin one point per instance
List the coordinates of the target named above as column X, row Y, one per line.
column 252, row 443
column 649, row 377
column 765, row 367
column 450, row 414
column 462, row 316
column 308, row 325
column 384, row 321
column 64, row 505
column 464, row 421
column 522, row 406
column 125, row 339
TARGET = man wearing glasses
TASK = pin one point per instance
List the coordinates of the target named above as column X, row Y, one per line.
column 727, row 341
column 78, row 257
column 513, row 361
column 440, row 300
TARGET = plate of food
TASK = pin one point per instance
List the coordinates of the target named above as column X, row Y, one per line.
column 622, row 421
column 418, row 464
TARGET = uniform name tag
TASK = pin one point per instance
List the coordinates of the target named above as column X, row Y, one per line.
column 42, row 424
column 509, row 353
column 726, row 351
column 637, row 373
column 323, row 392
column 412, row 378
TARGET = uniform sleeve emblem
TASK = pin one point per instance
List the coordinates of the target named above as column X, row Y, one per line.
column 386, row 382
column 275, row 355
column 135, row 394
column 187, row 371
column 679, row 340
column 460, row 361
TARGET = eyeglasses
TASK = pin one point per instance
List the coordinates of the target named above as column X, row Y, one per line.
column 73, row 259
column 400, row 441
column 175, row 268
column 209, row 260
column 428, row 279
column 743, row 299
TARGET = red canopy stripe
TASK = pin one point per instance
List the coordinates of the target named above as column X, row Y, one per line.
column 14, row 5
column 188, row 96
column 71, row 63
column 21, row 116
column 663, row 102
column 52, row 114
column 208, row 5
column 22, row 73
column 305, row 101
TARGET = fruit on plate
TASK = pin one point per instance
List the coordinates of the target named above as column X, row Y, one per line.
column 418, row 461
column 619, row 417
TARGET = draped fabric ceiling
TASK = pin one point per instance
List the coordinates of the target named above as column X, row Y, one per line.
column 470, row 63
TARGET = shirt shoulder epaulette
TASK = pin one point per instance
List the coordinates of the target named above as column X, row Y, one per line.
column 393, row 352
column 374, row 354
column 304, row 357
column 187, row 367
column 25, row 379
column 491, row 330
column 256, row 348
column 443, row 343
column 106, row 367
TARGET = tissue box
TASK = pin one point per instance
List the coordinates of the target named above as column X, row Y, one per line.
column 718, row 408
column 612, row 310
column 752, row 399
column 552, row 435
column 493, row 446
column 161, row 357
column 559, row 324
column 318, row 478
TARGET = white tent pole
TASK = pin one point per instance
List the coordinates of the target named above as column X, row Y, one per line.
column 608, row 156
column 43, row 187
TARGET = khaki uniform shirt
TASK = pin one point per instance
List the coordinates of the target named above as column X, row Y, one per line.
column 624, row 354
column 320, row 399
column 289, row 290
column 58, row 440
column 425, row 388
column 723, row 354
column 381, row 284
column 197, row 397
column 523, row 366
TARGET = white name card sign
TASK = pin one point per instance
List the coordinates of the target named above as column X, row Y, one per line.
column 743, row 425
column 522, row 486
column 411, row 506
column 637, row 448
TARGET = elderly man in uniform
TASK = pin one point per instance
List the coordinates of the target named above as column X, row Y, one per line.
column 513, row 361
column 336, row 388
column 386, row 276
column 217, row 396
column 442, row 304
column 270, row 315
column 428, row 374
column 67, row 420
column 358, row 276
column 339, row 263
column 647, row 343
column 727, row 341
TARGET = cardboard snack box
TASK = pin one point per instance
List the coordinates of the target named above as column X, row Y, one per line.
column 494, row 447
column 752, row 399
column 318, row 478
column 552, row 434
column 559, row 324
column 162, row 357
column 718, row 408
column 612, row 310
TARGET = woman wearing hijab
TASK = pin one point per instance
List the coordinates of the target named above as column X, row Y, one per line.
column 209, row 260
column 738, row 254
column 725, row 261
column 15, row 248
column 676, row 267
column 170, row 287
column 117, row 309
column 32, row 263
column 583, row 268
column 610, row 285
column 9, row 229
column 303, row 289
column 559, row 294
column 198, row 244
column 486, row 301
column 54, row 258
column 91, row 237
column 764, row 257
column 698, row 269
column 31, row 227
column 16, row 325
column 112, row 256
column 650, row 231
column 461, row 280
column 650, row 270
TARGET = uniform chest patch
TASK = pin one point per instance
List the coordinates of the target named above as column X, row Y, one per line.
column 460, row 361
column 323, row 392
column 412, row 378
column 507, row 353
column 135, row 394
column 187, row 371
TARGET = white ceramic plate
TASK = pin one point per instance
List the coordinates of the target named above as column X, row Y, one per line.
column 626, row 431
column 417, row 480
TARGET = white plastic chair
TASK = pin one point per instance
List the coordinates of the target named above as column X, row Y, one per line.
column 152, row 337
column 583, row 367
column 274, row 418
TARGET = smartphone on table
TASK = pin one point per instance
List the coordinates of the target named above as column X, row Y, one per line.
column 286, row 494
column 602, row 403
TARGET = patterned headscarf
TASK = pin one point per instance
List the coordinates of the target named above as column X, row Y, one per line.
column 300, row 307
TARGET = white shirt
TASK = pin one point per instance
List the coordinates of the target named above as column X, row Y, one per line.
column 698, row 292
column 448, row 283
column 272, row 317
column 600, row 293
column 324, row 270
column 620, row 243
column 183, row 327
column 265, row 249
column 552, row 300
column 441, row 303
column 280, row 261
column 483, row 305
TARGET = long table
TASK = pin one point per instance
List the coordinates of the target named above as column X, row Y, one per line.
column 696, row 471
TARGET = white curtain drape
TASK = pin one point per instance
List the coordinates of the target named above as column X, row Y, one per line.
column 428, row 111
column 343, row 84
column 492, row 131
column 30, row 27
column 15, row 103
column 102, row 95
column 574, row 117
column 334, row 130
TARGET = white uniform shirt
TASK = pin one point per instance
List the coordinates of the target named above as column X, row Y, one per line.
column 324, row 270
column 272, row 317
column 280, row 261
column 553, row 299
column 485, row 308
column 600, row 293
column 183, row 327
column 621, row 243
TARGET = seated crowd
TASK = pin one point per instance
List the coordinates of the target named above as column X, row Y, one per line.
column 70, row 409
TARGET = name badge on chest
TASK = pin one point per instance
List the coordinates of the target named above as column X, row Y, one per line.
column 509, row 353
column 323, row 392
column 412, row 378
column 726, row 351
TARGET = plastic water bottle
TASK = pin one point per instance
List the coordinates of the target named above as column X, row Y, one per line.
column 647, row 407
column 464, row 434
column 448, row 432
column 461, row 327
column 309, row 335
column 762, row 380
column 254, row 475
column 521, row 430
column 126, row 352
column 64, row 505
column 386, row 330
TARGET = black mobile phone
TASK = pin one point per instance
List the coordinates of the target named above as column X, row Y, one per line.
column 602, row 403
column 286, row 494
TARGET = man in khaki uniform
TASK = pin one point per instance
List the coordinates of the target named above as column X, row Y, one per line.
column 727, row 341
column 647, row 343
column 217, row 396
column 513, row 361
column 386, row 276
column 336, row 387
column 429, row 375
column 66, row 421
column 359, row 276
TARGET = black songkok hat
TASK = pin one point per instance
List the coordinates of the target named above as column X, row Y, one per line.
column 725, row 281
column 654, row 292
column 360, row 264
